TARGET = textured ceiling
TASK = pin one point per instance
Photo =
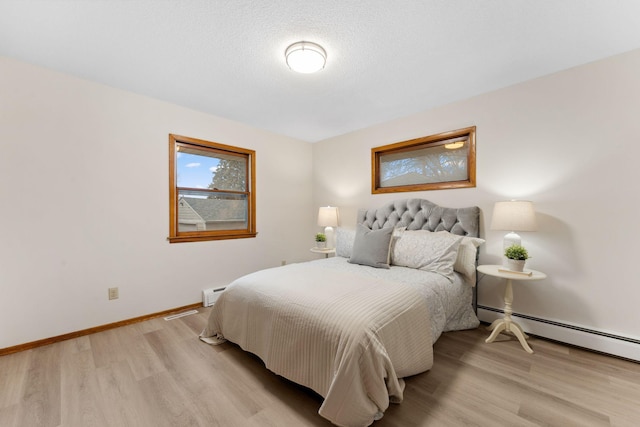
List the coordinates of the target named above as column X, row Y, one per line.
column 386, row 58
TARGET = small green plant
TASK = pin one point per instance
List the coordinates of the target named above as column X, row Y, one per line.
column 516, row 252
column 320, row 237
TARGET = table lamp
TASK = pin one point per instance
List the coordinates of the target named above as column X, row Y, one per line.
column 328, row 218
column 512, row 216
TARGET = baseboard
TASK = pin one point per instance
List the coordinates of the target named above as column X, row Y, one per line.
column 71, row 335
column 603, row 342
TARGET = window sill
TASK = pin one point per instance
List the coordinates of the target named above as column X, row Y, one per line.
column 183, row 239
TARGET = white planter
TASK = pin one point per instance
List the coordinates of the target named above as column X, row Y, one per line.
column 321, row 245
column 514, row 264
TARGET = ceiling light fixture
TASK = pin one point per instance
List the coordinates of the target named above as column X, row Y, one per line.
column 305, row 57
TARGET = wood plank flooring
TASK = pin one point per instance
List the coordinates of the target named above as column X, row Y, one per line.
column 157, row 373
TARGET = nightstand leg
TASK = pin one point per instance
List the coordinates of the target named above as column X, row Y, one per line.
column 495, row 323
column 499, row 327
column 506, row 324
column 508, row 300
column 520, row 329
column 517, row 331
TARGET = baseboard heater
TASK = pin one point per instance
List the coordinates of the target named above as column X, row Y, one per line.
column 209, row 296
column 600, row 341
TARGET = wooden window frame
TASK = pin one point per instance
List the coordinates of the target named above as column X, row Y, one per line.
column 176, row 236
column 418, row 144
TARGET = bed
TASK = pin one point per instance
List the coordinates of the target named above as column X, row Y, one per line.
column 350, row 327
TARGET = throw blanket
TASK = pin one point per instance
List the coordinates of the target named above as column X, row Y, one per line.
column 349, row 338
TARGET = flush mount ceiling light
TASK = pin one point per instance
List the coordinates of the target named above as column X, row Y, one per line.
column 305, row 57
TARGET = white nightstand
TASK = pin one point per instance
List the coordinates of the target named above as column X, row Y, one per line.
column 326, row 252
column 506, row 324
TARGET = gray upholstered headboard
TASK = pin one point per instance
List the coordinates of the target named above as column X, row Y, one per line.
column 421, row 214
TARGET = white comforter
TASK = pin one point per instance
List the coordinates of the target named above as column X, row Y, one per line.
column 348, row 335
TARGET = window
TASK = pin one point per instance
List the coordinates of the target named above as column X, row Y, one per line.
column 211, row 191
column 443, row 161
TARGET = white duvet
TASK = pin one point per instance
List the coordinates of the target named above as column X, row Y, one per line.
column 348, row 332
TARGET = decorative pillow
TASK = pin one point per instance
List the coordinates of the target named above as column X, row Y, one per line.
column 372, row 247
column 424, row 250
column 466, row 260
column 344, row 241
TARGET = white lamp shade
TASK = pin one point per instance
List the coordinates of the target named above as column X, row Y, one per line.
column 328, row 216
column 514, row 215
column 305, row 57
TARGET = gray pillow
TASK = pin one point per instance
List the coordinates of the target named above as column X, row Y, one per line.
column 372, row 247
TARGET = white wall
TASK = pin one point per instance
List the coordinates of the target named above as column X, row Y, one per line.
column 84, row 193
column 570, row 143
column 83, row 184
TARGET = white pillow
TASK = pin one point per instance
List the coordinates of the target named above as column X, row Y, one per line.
column 466, row 261
column 424, row 250
column 344, row 241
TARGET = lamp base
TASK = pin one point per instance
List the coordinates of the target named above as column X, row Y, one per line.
column 331, row 243
column 511, row 239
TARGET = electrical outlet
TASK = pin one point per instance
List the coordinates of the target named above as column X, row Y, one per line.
column 113, row 293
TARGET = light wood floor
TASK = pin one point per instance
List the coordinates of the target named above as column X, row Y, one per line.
column 157, row 373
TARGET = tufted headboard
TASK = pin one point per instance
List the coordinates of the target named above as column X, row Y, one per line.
column 421, row 214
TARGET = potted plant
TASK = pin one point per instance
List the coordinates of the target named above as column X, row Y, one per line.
column 321, row 241
column 516, row 256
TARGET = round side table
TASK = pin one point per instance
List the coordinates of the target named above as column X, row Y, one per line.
column 506, row 323
column 326, row 252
